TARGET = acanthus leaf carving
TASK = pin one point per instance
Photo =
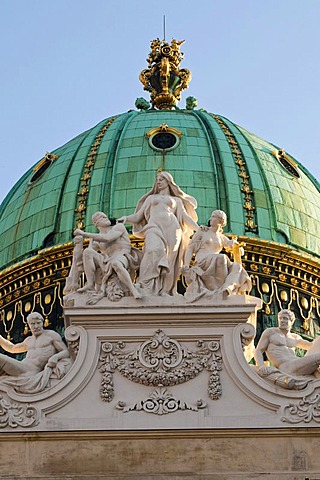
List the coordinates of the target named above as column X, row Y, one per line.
column 14, row 415
column 160, row 361
column 305, row 410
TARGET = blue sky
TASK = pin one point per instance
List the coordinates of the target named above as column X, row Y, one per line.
column 67, row 64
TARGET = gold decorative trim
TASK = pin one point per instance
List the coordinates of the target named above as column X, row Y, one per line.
column 49, row 157
column 27, row 286
column 87, row 173
column 163, row 78
column 170, row 133
column 164, row 128
column 243, row 173
column 271, row 259
column 286, row 162
column 281, row 153
column 283, row 278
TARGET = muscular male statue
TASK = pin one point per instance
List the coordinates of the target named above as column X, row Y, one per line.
column 43, row 347
column 109, row 252
column 279, row 344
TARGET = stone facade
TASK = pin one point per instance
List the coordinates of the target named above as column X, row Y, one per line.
column 160, row 392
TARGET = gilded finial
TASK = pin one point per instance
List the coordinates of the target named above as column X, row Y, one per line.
column 163, row 78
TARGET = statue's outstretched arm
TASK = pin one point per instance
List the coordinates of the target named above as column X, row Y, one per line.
column 305, row 344
column 101, row 237
column 13, row 348
column 134, row 218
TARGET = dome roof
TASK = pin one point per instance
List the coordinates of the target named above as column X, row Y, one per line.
column 265, row 192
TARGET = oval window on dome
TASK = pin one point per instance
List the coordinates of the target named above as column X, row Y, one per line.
column 287, row 163
column 164, row 138
column 289, row 167
column 42, row 166
column 164, row 141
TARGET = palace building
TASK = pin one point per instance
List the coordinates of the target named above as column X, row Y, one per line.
column 160, row 387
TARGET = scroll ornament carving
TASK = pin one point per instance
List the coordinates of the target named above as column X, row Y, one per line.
column 305, row 410
column 72, row 336
column 160, row 361
column 161, row 402
column 247, row 334
column 15, row 415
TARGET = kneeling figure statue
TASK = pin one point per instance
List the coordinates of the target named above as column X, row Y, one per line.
column 109, row 261
column 213, row 272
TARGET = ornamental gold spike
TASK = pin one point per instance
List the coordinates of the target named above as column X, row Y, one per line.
column 163, row 78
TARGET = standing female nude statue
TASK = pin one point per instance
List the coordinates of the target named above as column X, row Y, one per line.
column 165, row 218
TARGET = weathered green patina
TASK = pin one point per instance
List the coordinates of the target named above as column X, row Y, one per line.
column 206, row 164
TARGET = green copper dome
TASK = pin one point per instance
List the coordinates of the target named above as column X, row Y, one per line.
column 265, row 192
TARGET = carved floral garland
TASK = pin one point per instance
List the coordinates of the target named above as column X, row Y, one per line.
column 160, row 362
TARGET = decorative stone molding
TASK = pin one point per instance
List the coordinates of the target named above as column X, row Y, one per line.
column 161, row 402
column 305, row 410
column 14, row 415
column 160, row 361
